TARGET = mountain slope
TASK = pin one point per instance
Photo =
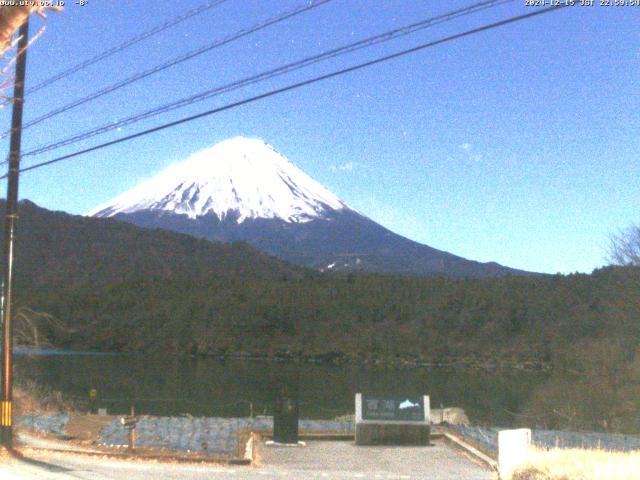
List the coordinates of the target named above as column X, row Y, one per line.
column 55, row 249
column 341, row 241
column 242, row 189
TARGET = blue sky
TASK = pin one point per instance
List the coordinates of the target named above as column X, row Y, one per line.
column 518, row 145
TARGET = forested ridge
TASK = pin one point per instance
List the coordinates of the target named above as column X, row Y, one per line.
column 120, row 287
column 115, row 287
column 357, row 316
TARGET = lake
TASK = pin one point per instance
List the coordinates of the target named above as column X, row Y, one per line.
column 172, row 385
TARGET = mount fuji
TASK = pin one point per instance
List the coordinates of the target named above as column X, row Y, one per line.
column 243, row 189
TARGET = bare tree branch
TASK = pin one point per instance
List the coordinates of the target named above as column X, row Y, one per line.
column 30, row 325
column 11, row 18
column 624, row 247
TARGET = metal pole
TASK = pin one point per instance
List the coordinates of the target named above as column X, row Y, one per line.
column 10, row 221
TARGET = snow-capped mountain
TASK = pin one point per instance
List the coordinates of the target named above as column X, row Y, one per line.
column 243, row 189
column 240, row 176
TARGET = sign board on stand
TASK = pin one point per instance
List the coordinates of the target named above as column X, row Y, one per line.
column 392, row 420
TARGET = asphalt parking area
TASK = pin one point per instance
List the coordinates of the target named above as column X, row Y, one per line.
column 344, row 459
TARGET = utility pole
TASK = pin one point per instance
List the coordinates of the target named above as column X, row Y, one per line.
column 10, row 222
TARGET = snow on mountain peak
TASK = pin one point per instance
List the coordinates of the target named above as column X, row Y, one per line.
column 241, row 176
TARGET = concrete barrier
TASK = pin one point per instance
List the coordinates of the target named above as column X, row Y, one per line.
column 513, row 449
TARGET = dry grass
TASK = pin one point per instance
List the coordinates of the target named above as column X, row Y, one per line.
column 576, row 464
column 33, row 399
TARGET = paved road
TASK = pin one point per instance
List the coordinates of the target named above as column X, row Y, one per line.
column 71, row 467
column 346, row 460
column 319, row 460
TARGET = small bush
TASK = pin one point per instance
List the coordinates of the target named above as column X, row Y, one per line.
column 34, row 399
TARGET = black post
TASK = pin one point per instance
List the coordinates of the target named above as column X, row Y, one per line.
column 10, row 221
column 132, row 429
column 286, row 408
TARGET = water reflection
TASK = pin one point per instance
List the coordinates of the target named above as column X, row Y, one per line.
column 170, row 385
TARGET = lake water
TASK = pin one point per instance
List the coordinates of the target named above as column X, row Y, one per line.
column 171, row 385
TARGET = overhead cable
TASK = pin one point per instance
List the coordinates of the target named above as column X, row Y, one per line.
column 124, row 45
column 290, row 67
column 173, row 62
column 295, row 86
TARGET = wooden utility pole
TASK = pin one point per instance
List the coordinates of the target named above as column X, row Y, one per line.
column 10, row 222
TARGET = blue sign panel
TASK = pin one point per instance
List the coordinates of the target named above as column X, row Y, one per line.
column 406, row 409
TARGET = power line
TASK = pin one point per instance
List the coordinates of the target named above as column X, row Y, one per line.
column 365, row 43
column 158, row 68
column 296, row 86
column 192, row 54
column 126, row 44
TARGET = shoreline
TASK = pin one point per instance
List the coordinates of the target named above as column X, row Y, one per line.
column 330, row 358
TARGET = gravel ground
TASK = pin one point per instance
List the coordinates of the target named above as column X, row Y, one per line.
column 53, row 424
column 52, row 444
column 211, row 434
column 192, row 434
